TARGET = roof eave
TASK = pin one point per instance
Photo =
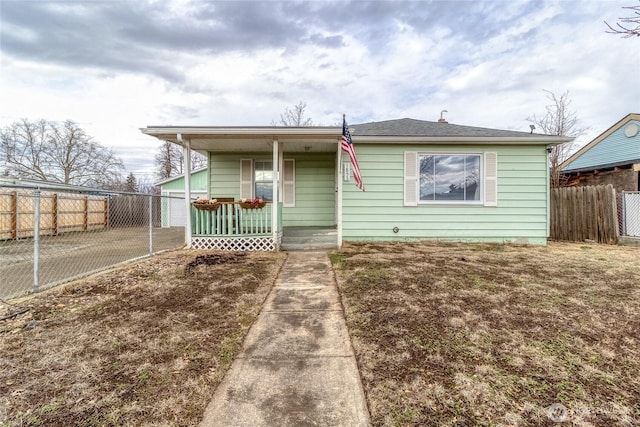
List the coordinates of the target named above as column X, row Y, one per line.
column 231, row 131
column 170, row 133
column 498, row 140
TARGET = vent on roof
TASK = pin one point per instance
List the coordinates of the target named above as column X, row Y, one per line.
column 441, row 119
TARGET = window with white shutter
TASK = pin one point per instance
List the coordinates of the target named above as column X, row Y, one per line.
column 456, row 178
column 246, row 178
column 289, row 183
column 410, row 178
column 491, row 179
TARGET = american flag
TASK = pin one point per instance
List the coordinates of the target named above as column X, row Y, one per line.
column 347, row 147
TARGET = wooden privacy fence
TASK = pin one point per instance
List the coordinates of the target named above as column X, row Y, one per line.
column 59, row 213
column 584, row 213
column 132, row 210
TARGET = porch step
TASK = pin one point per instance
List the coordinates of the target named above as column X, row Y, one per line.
column 308, row 238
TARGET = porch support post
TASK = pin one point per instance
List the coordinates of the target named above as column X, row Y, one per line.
column 186, row 152
column 276, row 194
column 339, row 191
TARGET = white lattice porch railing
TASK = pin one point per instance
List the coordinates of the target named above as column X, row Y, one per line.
column 233, row 228
column 231, row 220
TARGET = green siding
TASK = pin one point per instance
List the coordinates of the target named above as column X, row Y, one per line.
column 315, row 191
column 198, row 182
column 521, row 214
column 224, row 177
column 314, row 183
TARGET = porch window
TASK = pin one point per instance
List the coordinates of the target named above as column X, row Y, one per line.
column 263, row 179
column 256, row 180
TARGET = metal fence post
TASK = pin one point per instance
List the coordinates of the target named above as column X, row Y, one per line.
column 36, row 240
column 150, row 225
column 33, row 255
column 624, row 214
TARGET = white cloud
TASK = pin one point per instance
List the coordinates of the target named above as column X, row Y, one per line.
column 241, row 64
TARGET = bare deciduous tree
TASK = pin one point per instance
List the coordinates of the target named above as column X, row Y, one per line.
column 57, row 152
column 169, row 160
column 146, row 185
column 559, row 120
column 294, row 117
column 628, row 26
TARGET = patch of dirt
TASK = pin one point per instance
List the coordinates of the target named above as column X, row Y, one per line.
column 145, row 344
column 484, row 334
column 215, row 259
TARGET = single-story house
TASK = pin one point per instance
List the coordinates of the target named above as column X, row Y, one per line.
column 611, row 158
column 173, row 205
column 423, row 180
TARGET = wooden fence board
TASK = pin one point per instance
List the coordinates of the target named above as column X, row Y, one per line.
column 59, row 212
column 584, row 213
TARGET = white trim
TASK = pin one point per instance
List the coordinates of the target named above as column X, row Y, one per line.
column 282, row 132
column 548, row 187
column 268, row 131
column 467, row 140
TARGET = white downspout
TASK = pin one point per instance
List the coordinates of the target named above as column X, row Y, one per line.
column 276, row 194
column 186, row 153
column 339, row 198
column 548, row 186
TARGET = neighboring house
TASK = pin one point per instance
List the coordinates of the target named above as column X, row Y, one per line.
column 423, row 180
column 611, row 158
column 173, row 206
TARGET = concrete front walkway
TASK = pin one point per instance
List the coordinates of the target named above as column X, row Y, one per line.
column 297, row 367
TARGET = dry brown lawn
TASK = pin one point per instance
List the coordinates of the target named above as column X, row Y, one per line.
column 481, row 334
column 145, row 344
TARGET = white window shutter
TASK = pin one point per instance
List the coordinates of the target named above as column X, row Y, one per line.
column 410, row 178
column 246, row 178
column 289, row 183
column 491, row 179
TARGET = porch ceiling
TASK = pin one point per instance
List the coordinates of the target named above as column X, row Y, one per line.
column 251, row 139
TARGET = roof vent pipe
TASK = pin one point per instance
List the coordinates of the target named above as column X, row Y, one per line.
column 441, row 119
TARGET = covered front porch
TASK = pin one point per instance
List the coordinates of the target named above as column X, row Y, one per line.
column 294, row 169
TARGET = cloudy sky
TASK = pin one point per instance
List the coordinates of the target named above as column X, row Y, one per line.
column 117, row 66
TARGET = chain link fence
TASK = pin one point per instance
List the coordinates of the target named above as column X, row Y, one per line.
column 52, row 235
column 630, row 213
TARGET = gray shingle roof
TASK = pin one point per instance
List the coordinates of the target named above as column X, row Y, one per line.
column 412, row 127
